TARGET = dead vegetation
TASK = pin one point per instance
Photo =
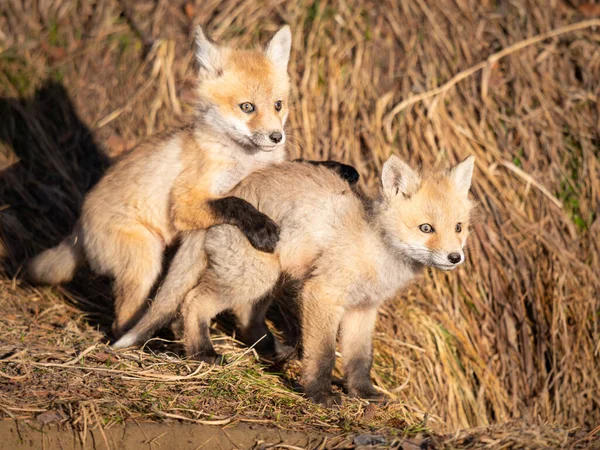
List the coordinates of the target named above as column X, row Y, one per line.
column 513, row 335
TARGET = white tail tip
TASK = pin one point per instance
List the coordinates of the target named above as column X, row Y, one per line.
column 127, row 340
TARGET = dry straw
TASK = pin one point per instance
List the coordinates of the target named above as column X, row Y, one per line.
column 514, row 334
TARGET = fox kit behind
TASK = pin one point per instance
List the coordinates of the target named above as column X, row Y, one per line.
column 350, row 256
column 181, row 182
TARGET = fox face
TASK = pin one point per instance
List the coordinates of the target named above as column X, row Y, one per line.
column 244, row 93
column 426, row 218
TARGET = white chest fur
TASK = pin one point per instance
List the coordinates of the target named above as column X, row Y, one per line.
column 236, row 163
column 384, row 276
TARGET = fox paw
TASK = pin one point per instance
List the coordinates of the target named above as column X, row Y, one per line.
column 262, row 233
column 213, row 360
column 326, row 399
column 282, row 354
column 118, row 330
column 345, row 171
column 368, row 393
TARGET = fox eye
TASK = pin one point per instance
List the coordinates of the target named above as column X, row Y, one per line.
column 278, row 105
column 458, row 227
column 426, row 228
column 247, row 107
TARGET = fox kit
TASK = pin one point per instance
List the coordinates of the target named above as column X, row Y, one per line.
column 181, row 183
column 351, row 255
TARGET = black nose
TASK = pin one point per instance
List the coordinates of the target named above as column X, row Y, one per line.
column 454, row 258
column 276, row 136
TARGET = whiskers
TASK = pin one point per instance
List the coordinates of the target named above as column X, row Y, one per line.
column 295, row 142
column 413, row 251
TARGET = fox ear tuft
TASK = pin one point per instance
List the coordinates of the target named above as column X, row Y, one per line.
column 279, row 47
column 398, row 177
column 207, row 54
column 462, row 174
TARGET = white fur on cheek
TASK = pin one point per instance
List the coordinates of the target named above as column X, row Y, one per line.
column 229, row 125
column 240, row 127
column 413, row 250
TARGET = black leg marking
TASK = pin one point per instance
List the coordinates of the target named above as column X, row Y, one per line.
column 201, row 348
column 358, row 379
column 347, row 172
column 258, row 334
column 318, row 385
column 260, row 230
column 285, row 310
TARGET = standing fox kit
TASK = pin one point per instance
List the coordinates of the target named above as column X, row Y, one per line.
column 350, row 256
column 181, row 183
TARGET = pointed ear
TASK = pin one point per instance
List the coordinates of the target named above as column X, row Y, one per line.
column 279, row 47
column 207, row 54
column 397, row 178
column 462, row 174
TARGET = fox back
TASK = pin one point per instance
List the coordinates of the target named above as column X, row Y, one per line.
column 313, row 206
column 423, row 217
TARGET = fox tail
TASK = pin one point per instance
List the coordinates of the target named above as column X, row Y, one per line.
column 58, row 264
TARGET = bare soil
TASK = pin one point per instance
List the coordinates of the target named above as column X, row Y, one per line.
column 151, row 436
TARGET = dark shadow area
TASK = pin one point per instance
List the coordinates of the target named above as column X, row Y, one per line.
column 283, row 320
column 283, row 311
column 49, row 160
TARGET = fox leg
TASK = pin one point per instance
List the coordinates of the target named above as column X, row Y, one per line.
column 356, row 336
column 259, row 229
column 197, row 209
column 135, row 277
column 321, row 317
column 254, row 331
column 201, row 304
column 185, row 270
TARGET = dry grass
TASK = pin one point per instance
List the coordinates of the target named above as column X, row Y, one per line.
column 514, row 334
column 56, row 361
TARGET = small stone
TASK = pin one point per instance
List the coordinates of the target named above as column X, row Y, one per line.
column 50, row 416
column 369, row 439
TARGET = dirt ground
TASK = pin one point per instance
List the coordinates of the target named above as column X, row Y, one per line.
column 138, row 435
column 152, row 436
